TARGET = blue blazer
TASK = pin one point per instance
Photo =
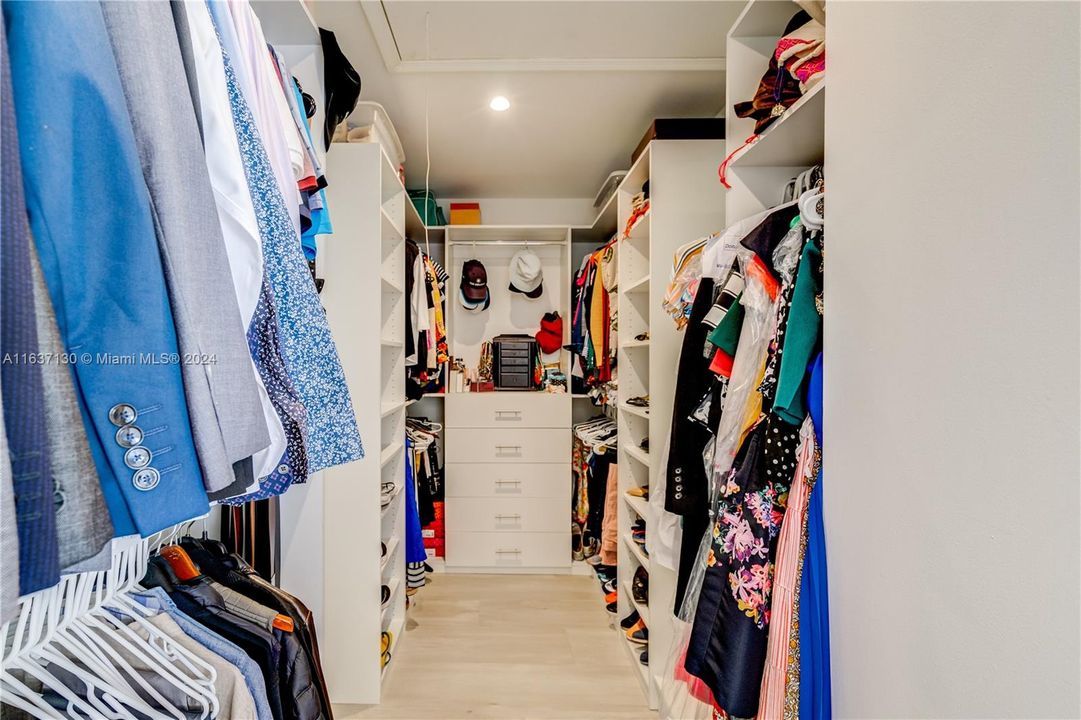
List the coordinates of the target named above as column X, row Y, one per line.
column 90, row 217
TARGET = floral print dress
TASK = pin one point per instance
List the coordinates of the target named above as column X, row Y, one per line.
column 728, row 642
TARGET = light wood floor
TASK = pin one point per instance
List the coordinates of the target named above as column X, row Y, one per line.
column 508, row 647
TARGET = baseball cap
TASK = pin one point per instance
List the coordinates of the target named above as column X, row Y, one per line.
column 526, row 274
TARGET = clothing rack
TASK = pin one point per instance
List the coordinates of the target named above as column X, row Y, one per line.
column 486, row 243
column 57, row 621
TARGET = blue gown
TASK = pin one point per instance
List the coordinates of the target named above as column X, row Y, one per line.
column 814, row 615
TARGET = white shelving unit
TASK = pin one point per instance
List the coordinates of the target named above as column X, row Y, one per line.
column 686, row 203
column 363, row 265
column 790, row 144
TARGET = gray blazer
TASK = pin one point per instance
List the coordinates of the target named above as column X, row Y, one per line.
column 220, row 385
column 83, row 525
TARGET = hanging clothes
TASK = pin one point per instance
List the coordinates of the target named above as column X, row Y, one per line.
column 222, row 396
column 24, row 395
column 295, row 464
column 746, row 578
column 427, row 351
column 414, row 538
column 208, row 87
column 331, row 435
column 593, row 319
column 815, row 699
column 594, row 454
column 61, row 61
column 227, row 607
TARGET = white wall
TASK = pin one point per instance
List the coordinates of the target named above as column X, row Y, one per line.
column 952, row 452
column 528, row 211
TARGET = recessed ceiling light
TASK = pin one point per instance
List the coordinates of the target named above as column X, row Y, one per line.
column 499, row 103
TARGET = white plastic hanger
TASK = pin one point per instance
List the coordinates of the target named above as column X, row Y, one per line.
column 72, row 627
column 808, row 209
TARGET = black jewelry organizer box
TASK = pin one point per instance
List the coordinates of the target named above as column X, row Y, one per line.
column 513, row 360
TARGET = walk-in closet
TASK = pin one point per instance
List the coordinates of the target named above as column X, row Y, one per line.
column 462, row 359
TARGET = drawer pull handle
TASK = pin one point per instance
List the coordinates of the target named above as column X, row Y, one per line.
column 508, row 414
column 515, row 517
column 514, row 551
column 515, row 483
column 508, row 449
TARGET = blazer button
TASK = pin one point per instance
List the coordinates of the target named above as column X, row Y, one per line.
column 137, row 457
column 679, row 471
column 129, row 436
column 679, row 496
column 122, row 414
column 145, row 479
column 58, row 499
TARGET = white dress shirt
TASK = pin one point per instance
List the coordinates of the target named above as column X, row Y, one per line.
column 277, row 130
column 243, row 243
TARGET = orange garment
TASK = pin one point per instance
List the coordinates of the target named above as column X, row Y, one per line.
column 610, row 526
column 598, row 320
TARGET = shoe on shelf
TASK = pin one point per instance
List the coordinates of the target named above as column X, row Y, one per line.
column 629, row 621
column 642, row 492
column 604, row 572
column 385, row 590
column 576, row 543
column 382, row 550
column 612, row 607
column 387, row 493
column 639, row 537
column 385, row 641
column 644, row 445
column 611, row 597
column 642, row 337
column 608, row 586
column 644, row 657
column 638, row 633
column 384, row 660
column 640, row 586
column 640, row 401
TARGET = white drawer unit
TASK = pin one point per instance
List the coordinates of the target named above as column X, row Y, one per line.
column 505, row 480
column 508, row 410
column 468, row 445
column 508, row 550
column 525, row 515
column 508, row 481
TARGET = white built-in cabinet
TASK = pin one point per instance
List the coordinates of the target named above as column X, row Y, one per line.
column 686, row 203
column 338, row 518
column 507, row 453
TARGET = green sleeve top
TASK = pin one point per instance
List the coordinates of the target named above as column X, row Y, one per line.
column 800, row 339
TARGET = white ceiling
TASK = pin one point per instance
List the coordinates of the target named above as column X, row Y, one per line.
column 584, row 80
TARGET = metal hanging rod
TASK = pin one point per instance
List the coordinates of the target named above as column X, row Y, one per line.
column 506, row 242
